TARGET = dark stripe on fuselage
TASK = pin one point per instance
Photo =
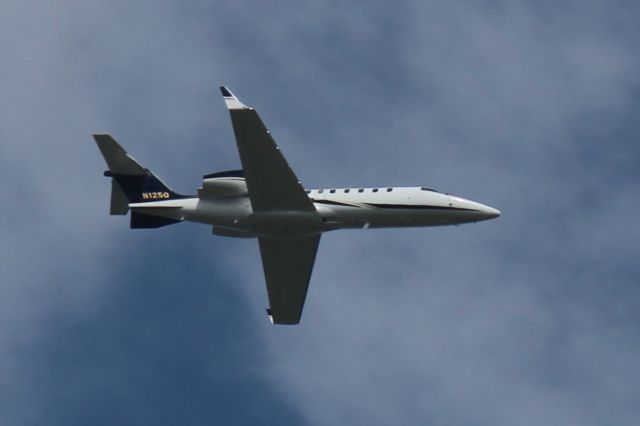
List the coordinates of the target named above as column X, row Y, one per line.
column 394, row 206
column 333, row 203
column 418, row 207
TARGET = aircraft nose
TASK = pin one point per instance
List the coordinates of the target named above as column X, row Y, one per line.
column 479, row 211
column 490, row 212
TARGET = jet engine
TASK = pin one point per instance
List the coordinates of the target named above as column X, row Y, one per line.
column 223, row 184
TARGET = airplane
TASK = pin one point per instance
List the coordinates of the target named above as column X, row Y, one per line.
column 265, row 200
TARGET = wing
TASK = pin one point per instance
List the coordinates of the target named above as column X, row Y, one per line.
column 271, row 183
column 287, row 269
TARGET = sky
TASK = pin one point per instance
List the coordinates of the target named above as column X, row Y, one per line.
column 528, row 106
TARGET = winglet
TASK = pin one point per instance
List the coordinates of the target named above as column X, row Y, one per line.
column 231, row 100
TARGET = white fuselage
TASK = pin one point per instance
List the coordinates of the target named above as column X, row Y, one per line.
column 335, row 209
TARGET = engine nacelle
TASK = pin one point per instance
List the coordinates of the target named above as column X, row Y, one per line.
column 223, row 184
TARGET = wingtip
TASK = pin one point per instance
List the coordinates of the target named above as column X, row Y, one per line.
column 102, row 138
column 231, row 100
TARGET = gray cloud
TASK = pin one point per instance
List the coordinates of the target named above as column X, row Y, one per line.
column 528, row 319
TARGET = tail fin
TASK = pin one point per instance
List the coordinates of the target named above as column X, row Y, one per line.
column 131, row 183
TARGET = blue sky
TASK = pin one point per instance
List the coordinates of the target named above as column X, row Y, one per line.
column 529, row 319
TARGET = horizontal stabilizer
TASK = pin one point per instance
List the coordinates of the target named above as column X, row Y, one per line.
column 142, row 221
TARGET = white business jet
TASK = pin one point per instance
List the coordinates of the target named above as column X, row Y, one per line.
column 265, row 200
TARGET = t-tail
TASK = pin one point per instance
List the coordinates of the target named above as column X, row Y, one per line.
column 132, row 183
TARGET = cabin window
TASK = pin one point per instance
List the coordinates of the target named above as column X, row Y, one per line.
column 389, row 189
column 320, row 191
column 375, row 189
column 332, row 191
column 346, row 190
column 360, row 190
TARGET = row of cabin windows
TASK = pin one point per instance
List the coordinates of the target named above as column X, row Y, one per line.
column 346, row 191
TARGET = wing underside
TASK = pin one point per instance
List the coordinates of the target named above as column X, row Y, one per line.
column 271, row 183
column 287, row 269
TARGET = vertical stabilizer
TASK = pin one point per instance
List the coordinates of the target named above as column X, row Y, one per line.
column 131, row 183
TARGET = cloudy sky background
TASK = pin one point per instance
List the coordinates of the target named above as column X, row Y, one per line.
column 531, row 107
